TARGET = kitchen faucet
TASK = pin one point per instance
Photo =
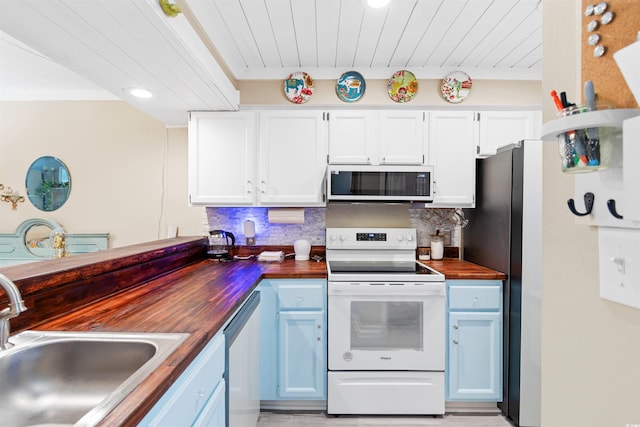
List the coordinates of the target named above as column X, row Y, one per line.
column 16, row 306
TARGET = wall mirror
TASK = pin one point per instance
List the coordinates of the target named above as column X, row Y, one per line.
column 48, row 183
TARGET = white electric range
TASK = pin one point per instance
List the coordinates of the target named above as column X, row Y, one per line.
column 386, row 324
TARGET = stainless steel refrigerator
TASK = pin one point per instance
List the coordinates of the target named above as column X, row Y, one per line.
column 504, row 233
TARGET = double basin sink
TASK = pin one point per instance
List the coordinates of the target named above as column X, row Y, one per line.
column 75, row 379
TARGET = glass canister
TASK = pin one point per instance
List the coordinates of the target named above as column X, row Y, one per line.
column 437, row 247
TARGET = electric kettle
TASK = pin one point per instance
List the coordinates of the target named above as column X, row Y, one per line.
column 220, row 244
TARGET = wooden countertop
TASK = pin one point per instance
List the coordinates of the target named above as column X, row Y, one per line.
column 198, row 298
column 457, row 269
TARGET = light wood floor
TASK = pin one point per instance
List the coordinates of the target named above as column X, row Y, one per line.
column 287, row 419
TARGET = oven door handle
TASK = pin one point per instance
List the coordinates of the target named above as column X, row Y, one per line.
column 386, row 289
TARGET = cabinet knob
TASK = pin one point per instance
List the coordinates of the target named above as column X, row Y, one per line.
column 455, row 326
column 455, row 342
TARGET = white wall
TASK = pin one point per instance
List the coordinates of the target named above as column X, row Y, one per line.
column 590, row 346
column 128, row 171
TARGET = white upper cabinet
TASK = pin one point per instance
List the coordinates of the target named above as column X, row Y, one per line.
column 350, row 136
column 273, row 158
column 376, row 137
column 293, row 158
column 453, row 137
column 500, row 128
column 222, row 158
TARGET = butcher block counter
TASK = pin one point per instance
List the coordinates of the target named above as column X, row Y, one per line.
column 457, row 269
column 167, row 286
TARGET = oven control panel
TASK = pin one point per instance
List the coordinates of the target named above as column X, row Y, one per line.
column 371, row 238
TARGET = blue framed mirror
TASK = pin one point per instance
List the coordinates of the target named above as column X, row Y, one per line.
column 48, row 183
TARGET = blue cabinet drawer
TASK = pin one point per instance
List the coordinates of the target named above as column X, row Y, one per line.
column 182, row 403
column 475, row 298
column 301, row 296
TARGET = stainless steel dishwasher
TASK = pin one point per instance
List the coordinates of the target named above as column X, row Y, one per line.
column 242, row 373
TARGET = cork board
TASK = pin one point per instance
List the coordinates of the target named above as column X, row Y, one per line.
column 608, row 81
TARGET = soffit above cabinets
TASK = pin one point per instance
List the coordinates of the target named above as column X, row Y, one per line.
column 120, row 44
column 267, row 39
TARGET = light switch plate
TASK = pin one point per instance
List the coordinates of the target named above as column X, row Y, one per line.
column 620, row 265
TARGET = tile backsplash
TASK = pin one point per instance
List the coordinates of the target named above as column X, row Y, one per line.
column 425, row 220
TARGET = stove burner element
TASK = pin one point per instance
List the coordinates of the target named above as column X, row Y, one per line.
column 379, row 267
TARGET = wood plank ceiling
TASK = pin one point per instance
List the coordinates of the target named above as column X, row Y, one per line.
column 266, row 39
column 117, row 44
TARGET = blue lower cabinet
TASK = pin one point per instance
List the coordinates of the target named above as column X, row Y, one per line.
column 198, row 396
column 213, row 414
column 293, row 339
column 474, row 340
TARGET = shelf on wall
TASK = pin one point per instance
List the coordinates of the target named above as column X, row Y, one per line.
column 591, row 119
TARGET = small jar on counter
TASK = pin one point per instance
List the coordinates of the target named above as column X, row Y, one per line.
column 437, row 247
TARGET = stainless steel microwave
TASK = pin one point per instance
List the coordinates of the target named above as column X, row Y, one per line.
column 386, row 183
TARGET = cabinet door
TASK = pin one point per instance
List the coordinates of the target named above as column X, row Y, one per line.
column 500, row 128
column 302, row 365
column 475, row 356
column 452, row 141
column 293, row 158
column 213, row 413
column 351, row 134
column 222, row 165
column 401, row 136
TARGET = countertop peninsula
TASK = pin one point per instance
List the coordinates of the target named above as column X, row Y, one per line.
column 196, row 297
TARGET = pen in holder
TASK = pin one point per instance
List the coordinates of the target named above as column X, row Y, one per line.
column 587, row 149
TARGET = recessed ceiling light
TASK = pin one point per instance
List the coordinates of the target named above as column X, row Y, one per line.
column 139, row 92
column 377, row 4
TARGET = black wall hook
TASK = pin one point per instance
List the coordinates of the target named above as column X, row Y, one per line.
column 611, row 204
column 588, row 204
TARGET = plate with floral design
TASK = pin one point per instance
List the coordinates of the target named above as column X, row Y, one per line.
column 456, row 87
column 402, row 86
column 298, row 87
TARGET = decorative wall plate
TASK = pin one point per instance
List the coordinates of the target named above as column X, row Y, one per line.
column 402, row 86
column 298, row 87
column 350, row 86
column 456, row 87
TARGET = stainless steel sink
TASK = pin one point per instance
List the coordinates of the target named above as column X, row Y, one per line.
column 75, row 379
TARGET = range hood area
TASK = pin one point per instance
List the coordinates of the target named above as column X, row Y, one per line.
column 114, row 44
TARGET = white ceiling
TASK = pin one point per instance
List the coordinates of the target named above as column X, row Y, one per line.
column 494, row 39
column 94, row 49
